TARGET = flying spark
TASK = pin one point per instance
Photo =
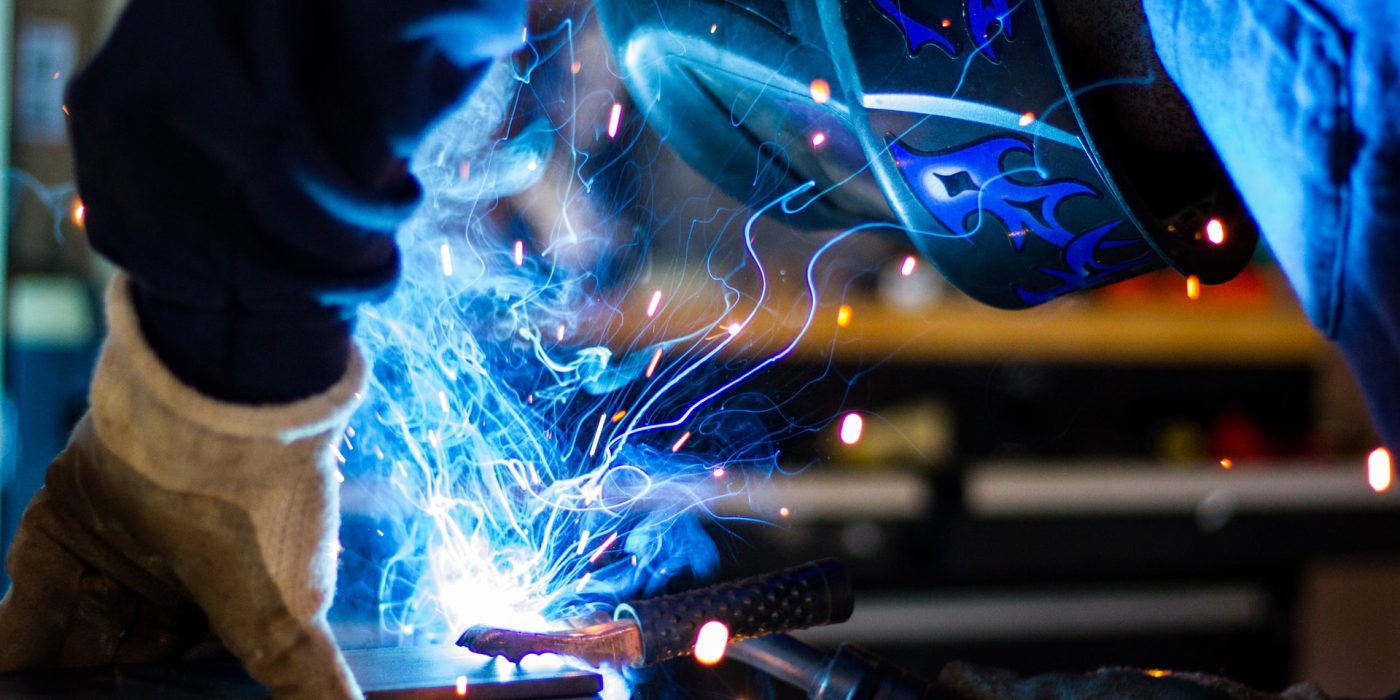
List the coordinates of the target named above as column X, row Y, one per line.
column 1380, row 472
column 614, row 120
column 681, row 442
column 818, row 139
column 1215, row 231
column 519, row 252
column 820, row 90
column 851, row 428
column 654, row 304
column 1193, row 287
column 907, row 267
column 843, row 315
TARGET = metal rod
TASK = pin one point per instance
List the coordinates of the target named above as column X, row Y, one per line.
column 784, row 658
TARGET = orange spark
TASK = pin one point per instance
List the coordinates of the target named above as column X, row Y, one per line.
column 843, row 315
column 1026, row 119
column 851, row 428
column 79, row 213
column 655, row 358
column 1193, row 287
column 1226, row 463
column 617, row 417
column 821, row 91
column 681, row 442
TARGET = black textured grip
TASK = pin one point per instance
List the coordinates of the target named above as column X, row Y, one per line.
column 813, row 594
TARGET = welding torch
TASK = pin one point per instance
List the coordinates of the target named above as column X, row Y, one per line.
column 754, row 612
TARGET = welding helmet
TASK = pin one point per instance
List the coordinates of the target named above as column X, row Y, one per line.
column 955, row 120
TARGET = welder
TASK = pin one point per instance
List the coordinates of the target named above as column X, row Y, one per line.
column 243, row 163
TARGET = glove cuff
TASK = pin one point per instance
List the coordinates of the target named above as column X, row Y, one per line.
column 129, row 358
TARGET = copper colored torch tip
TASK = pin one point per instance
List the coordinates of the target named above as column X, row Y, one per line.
column 617, row 643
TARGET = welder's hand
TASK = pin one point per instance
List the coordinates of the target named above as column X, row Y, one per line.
column 969, row 682
column 169, row 514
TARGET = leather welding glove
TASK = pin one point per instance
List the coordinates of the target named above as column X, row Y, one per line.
column 243, row 161
column 169, row 508
column 969, row 682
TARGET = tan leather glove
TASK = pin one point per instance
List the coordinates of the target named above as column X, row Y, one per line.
column 169, row 509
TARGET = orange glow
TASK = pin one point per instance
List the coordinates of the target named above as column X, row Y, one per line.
column 1225, row 463
column 711, row 642
column 821, row 91
column 617, row 417
column 843, row 315
column 1026, row 119
column 461, row 686
column 576, row 68
column 1380, row 472
column 851, row 428
column 784, row 511
column 681, row 442
column 79, row 213
column 1193, row 287
column 1157, row 673
column 655, row 359
column 1215, row 231
column 734, row 328
column 946, row 23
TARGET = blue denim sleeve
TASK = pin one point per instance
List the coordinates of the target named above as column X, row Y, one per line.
column 244, row 162
column 1299, row 98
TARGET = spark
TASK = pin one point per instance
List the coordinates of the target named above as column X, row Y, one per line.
column 1215, row 231
column 1157, row 673
column 582, row 543
column 533, row 165
column 734, row 328
column 843, row 315
column 818, row 139
column 717, row 472
column 524, row 34
column 1226, row 463
column 946, row 23
column 655, row 360
column 714, row 28
column 851, row 428
column 1026, row 119
column 79, row 213
column 1193, row 287
column 576, row 67
column 617, row 417
column 519, row 252
column 598, row 553
column 1380, row 472
column 593, row 449
column 461, row 686
column 614, row 120
column 784, row 511
column 681, row 442
column 907, row 267
column 821, row 91
column 559, row 333
column 711, row 642
column 446, row 260
column 654, row 304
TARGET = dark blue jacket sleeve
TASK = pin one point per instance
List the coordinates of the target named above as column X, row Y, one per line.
column 244, row 162
column 1299, row 97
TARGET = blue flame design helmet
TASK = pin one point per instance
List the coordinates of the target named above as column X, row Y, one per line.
column 959, row 120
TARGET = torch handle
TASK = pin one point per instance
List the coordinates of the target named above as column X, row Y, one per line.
column 813, row 594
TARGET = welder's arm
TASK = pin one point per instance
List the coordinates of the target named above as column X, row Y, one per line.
column 1299, row 98
column 243, row 163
